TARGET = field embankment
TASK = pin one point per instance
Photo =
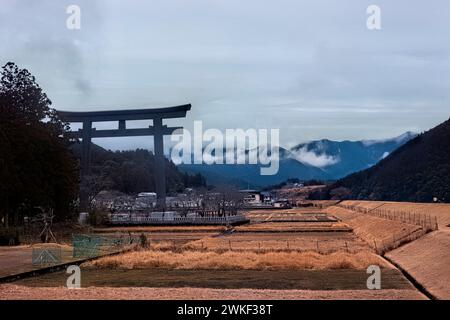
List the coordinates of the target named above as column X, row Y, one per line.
column 402, row 232
column 439, row 210
column 427, row 260
column 380, row 233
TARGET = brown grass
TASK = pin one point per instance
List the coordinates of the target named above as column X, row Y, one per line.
column 238, row 260
column 15, row 292
column 427, row 260
column 293, row 227
column 295, row 214
column 439, row 210
column 381, row 234
column 321, row 242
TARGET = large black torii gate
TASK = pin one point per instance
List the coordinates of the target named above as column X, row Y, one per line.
column 157, row 130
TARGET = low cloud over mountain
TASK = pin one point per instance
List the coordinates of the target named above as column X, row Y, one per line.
column 321, row 159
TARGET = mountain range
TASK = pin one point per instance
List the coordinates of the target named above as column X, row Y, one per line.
column 321, row 159
column 418, row 171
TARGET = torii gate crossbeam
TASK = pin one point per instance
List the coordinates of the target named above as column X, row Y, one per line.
column 157, row 130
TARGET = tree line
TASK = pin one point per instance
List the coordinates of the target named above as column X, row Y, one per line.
column 131, row 172
column 36, row 167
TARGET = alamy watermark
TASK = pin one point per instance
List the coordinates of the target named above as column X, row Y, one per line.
column 74, row 280
column 73, row 21
column 374, row 20
column 374, row 280
column 234, row 146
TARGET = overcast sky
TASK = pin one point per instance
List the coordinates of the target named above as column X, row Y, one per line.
column 310, row 68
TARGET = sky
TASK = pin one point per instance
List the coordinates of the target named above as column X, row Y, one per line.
column 310, row 68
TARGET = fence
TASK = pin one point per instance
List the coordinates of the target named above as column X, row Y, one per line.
column 426, row 221
column 88, row 246
column 46, row 256
column 319, row 246
column 397, row 239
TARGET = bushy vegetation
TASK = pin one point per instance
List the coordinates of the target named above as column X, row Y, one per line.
column 132, row 172
column 36, row 167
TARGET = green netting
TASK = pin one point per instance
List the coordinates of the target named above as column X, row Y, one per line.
column 46, row 256
column 88, row 246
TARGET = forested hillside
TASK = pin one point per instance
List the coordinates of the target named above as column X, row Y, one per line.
column 417, row 171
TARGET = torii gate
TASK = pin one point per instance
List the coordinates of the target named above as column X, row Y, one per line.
column 157, row 130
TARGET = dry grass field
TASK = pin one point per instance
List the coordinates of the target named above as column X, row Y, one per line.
column 293, row 215
column 320, row 242
column 381, row 234
column 164, row 236
column 294, row 227
column 424, row 256
column 324, row 249
column 440, row 210
column 176, row 239
column 283, row 279
column 428, row 261
column 230, row 260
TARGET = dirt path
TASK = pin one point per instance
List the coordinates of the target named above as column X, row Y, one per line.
column 18, row 259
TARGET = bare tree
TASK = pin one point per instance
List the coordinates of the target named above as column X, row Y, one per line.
column 226, row 200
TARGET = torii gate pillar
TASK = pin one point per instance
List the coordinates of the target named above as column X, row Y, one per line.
column 160, row 168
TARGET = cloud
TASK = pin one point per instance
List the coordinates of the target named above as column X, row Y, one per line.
column 313, row 159
column 310, row 68
column 399, row 139
column 66, row 56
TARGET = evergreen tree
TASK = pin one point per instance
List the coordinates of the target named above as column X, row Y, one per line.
column 36, row 167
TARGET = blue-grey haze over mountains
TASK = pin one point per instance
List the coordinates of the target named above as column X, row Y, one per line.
column 321, row 159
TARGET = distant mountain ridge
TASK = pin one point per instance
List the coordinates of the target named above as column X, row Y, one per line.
column 340, row 158
column 321, row 159
column 417, row 171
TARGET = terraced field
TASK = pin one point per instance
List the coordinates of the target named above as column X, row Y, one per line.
column 313, row 252
column 439, row 210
